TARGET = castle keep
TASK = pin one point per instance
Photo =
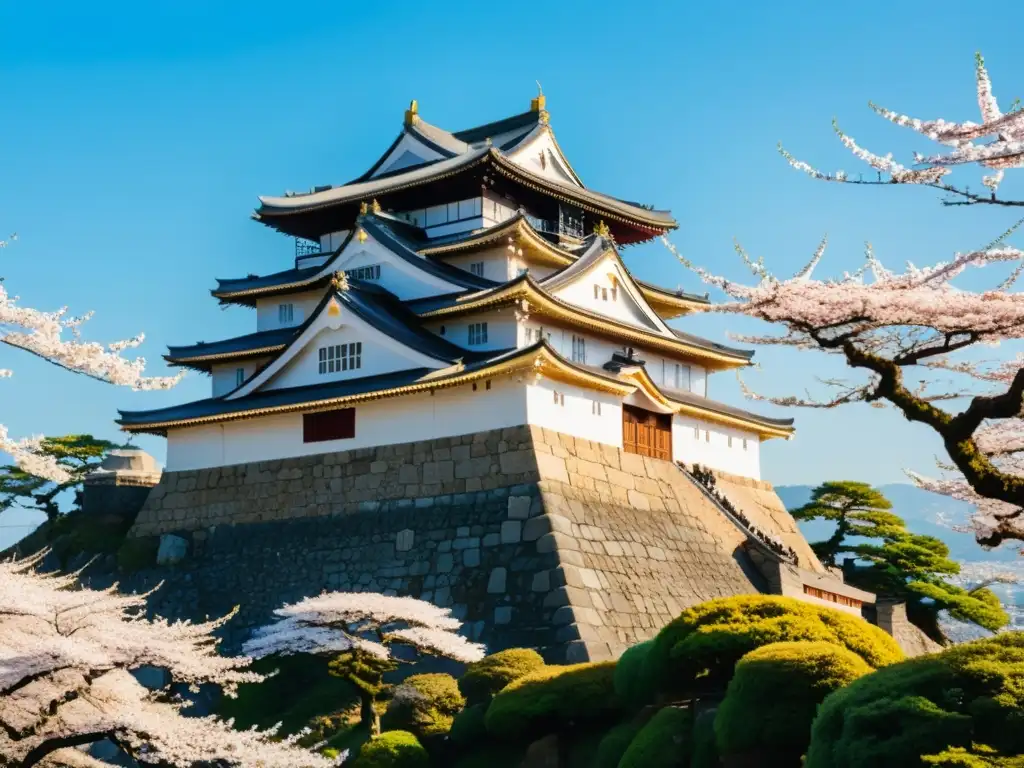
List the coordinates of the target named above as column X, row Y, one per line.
column 460, row 392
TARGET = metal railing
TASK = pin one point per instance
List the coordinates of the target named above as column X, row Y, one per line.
column 306, row 247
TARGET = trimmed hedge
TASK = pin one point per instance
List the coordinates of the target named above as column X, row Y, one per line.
column 968, row 695
column 484, row 678
column 665, row 742
column 631, row 675
column 615, row 743
column 552, row 698
column 424, row 705
column 468, row 726
column 393, row 749
column 493, row 756
column 707, row 640
column 792, row 679
column 705, row 752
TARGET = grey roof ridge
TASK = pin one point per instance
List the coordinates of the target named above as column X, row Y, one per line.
column 180, row 352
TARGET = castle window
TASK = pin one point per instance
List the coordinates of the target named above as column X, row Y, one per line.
column 285, row 313
column 372, row 272
column 478, row 333
column 442, row 330
column 487, row 384
column 696, row 433
column 615, row 292
column 744, row 444
column 682, row 380
column 579, row 349
column 341, row 357
column 559, row 398
column 239, row 376
column 707, row 436
column 730, row 441
column 477, row 268
column 329, row 425
column 604, row 294
column 595, row 408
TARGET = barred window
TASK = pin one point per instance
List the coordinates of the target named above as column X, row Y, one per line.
column 477, row 268
column 559, row 398
column 341, row 357
column 595, row 408
column 239, row 376
column 478, row 333
column 285, row 313
column 579, row 349
column 371, row 272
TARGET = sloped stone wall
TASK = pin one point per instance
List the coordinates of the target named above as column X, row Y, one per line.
column 532, row 537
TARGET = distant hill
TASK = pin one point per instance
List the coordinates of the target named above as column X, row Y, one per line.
column 920, row 509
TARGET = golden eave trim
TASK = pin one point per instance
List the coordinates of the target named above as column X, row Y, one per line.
column 519, row 228
column 751, row 425
column 225, row 355
column 542, row 303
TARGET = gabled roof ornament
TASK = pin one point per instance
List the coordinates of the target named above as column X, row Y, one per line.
column 412, row 114
column 363, row 208
column 601, row 229
column 361, row 235
column 339, row 281
column 538, row 103
column 375, row 206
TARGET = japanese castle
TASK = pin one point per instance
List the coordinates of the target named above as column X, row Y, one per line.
column 467, row 281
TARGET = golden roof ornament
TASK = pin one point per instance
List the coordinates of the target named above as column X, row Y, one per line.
column 375, row 206
column 339, row 281
column 412, row 114
column 601, row 229
column 361, row 235
column 538, row 104
column 363, row 208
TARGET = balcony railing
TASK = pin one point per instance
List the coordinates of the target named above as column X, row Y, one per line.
column 567, row 226
column 306, row 247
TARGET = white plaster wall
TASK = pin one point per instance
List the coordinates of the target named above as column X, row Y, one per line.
column 223, row 376
column 623, row 308
column 332, row 241
column 267, row 309
column 576, row 417
column 403, row 279
column 710, row 446
column 502, row 329
column 422, row 152
column 528, row 156
column 446, row 413
column 380, row 355
column 496, row 263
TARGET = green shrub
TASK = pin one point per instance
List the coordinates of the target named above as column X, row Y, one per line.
column 793, row 679
column 486, row 677
column 665, row 742
column 393, row 749
column 468, row 726
column 552, row 698
column 632, row 682
column 705, row 642
column 979, row 756
column 493, row 756
column 581, row 747
column 968, row 694
column 138, row 553
column 705, row 751
column 614, row 744
column 424, row 705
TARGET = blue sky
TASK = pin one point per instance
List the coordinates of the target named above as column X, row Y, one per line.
column 136, row 137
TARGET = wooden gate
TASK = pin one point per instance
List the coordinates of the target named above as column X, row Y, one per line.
column 647, row 433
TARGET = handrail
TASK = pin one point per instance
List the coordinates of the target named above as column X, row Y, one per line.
column 731, row 516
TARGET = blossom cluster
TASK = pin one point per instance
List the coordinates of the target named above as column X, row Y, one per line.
column 340, row 621
column 66, row 660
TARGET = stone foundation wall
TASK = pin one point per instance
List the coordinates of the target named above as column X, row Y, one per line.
column 532, row 537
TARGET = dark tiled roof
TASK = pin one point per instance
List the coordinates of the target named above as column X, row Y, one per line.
column 284, row 277
column 678, row 293
column 702, row 342
column 311, row 393
column 684, row 396
column 238, row 344
column 519, row 125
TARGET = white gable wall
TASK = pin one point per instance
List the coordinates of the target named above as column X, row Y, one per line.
column 446, row 413
column 303, row 303
column 225, row 377
column 618, row 305
column 529, row 156
column 405, row 280
column 329, row 243
column 409, row 151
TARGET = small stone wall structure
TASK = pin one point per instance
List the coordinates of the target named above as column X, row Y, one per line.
column 533, row 538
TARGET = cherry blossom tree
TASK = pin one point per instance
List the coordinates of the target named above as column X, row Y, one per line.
column 359, row 630
column 889, row 326
column 56, row 337
column 66, row 660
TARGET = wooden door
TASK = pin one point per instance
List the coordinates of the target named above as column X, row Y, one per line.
column 647, row 433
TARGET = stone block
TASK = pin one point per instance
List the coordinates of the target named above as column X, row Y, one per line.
column 445, row 563
column 517, row 462
column 471, row 558
column 556, row 542
column 172, row 549
column 496, row 582
column 519, row 507
column 541, row 582
column 503, row 615
column 438, row 472
column 511, row 532
column 551, row 467
column 404, row 540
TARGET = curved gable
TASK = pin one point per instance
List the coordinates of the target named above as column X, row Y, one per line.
column 539, row 153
